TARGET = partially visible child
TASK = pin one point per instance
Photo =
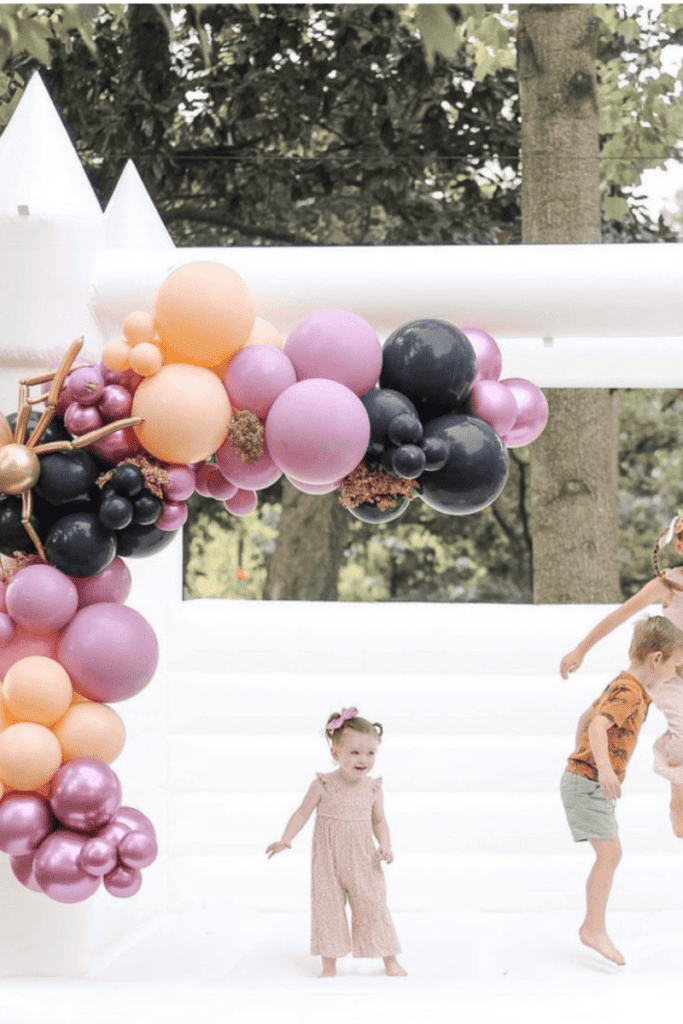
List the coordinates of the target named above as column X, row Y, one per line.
column 667, row 587
column 346, row 865
column 605, row 739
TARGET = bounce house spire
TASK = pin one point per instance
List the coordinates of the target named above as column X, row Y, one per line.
column 131, row 218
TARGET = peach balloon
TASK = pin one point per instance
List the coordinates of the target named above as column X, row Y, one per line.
column 203, row 313
column 37, row 689
column 186, row 412
column 264, row 333
column 5, row 430
column 146, row 359
column 6, row 716
column 90, row 729
column 138, row 327
column 116, row 355
column 30, row 754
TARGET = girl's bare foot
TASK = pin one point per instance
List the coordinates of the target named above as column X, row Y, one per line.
column 601, row 943
column 329, row 968
column 393, row 967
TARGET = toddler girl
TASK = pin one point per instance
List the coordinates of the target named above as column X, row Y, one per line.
column 346, row 864
column 667, row 587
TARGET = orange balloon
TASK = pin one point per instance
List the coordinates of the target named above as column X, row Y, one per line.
column 5, row 430
column 146, row 359
column 264, row 333
column 186, row 412
column 37, row 689
column 2, row 790
column 116, row 355
column 90, row 730
column 203, row 314
column 30, row 754
column 6, row 716
column 138, row 328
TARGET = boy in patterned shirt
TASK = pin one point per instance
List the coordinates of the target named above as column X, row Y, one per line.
column 605, row 738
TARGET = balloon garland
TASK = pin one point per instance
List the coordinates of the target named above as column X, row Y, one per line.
column 199, row 394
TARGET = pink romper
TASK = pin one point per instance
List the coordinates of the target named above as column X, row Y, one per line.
column 668, row 698
column 345, row 867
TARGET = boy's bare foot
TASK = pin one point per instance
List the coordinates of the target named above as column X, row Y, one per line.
column 601, row 943
column 329, row 968
column 393, row 968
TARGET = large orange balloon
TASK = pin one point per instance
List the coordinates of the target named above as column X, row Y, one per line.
column 90, row 729
column 186, row 412
column 264, row 333
column 30, row 754
column 6, row 716
column 37, row 689
column 203, row 313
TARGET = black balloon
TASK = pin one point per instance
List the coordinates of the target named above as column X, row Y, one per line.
column 408, row 461
column 432, row 363
column 56, row 431
column 116, row 511
column 80, row 545
column 13, row 536
column 382, row 405
column 476, row 470
column 140, row 541
column 368, row 512
column 436, row 453
column 147, row 508
column 127, row 479
column 66, row 476
column 405, row 429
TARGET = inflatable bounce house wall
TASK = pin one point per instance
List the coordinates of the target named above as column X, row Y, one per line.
column 222, row 742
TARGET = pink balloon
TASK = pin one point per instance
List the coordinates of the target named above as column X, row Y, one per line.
column 110, row 652
column 98, row 857
column 532, row 413
column 123, row 881
column 24, row 644
column 489, row 358
column 25, row 820
column 138, row 849
column 112, row 584
column 181, row 483
column 173, row 516
column 314, row 488
column 256, row 376
column 7, row 628
column 84, row 794
column 113, row 832
column 317, row 431
column 41, row 598
column 495, row 404
column 250, row 476
column 3, row 591
column 214, row 484
column 81, row 419
column 115, row 403
column 243, row 503
column 57, row 871
column 117, row 446
column 336, row 345
column 133, row 820
column 22, row 869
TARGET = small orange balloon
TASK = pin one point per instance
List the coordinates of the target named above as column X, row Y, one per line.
column 146, row 359
column 264, row 333
column 116, row 355
column 185, row 411
column 203, row 314
column 90, row 730
column 5, row 430
column 37, row 689
column 30, row 754
column 138, row 328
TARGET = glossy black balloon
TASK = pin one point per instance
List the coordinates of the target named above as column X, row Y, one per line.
column 368, row 512
column 116, row 511
column 56, row 431
column 405, row 429
column 80, row 545
column 147, row 508
column 140, row 541
column 408, row 461
column 382, row 405
column 13, row 536
column 476, row 470
column 431, row 362
column 436, row 453
column 66, row 476
column 127, row 479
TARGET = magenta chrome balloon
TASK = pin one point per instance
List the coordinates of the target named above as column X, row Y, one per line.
column 85, row 794
column 57, row 870
column 25, row 820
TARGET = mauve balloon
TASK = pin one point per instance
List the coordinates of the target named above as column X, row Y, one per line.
column 25, row 820
column 57, row 870
column 123, row 881
column 85, row 794
column 22, row 869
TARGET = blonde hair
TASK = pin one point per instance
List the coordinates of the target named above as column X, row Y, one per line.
column 356, row 724
column 654, row 634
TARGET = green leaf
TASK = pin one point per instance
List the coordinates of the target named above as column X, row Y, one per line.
column 615, row 207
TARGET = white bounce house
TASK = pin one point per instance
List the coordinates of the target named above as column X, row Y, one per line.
column 486, row 887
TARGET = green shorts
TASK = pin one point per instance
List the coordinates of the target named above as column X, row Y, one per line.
column 589, row 813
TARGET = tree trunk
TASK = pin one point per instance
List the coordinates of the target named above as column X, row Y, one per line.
column 310, row 547
column 574, row 461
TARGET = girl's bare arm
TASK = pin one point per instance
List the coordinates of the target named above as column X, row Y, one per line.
column 298, row 819
column 654, row 591
column 381, row 829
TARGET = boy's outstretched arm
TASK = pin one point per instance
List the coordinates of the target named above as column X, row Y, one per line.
column 597, row 735
column 654, row 591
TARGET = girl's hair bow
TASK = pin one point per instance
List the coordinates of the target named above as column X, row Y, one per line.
column 346, row 715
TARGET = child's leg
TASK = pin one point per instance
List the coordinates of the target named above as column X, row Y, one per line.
column 329, row 967
column 593, row 931
column 676, row 808
column 393, row 967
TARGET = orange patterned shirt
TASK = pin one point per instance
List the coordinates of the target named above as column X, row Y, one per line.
column 625, row 702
